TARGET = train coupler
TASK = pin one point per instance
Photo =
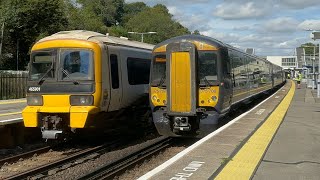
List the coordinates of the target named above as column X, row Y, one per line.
column 52, row 127
column 181, row 124
column 51, row 134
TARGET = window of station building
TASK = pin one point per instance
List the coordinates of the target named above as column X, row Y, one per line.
column 114, row 71
column 288, row 62
column 138, row 70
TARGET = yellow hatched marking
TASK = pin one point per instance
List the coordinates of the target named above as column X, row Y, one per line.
column 13, row 102
column 7, row 114
column 244, row 163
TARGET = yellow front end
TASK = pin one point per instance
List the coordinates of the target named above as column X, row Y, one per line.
column 59, row 103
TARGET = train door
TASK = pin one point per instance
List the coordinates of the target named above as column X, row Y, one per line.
column 181, row 63
column 116, row 79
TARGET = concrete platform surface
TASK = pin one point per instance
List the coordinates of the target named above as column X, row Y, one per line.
column 208, row 156
column 10, row 111
column 295, row 150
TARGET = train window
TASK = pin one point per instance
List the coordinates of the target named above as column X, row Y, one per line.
column 138, row 71
column 114, row 71
column 207, row 67
column 158, row 76
column 77, row 64
column 41, row 64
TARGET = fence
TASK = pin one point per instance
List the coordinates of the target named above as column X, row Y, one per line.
column 13, row 84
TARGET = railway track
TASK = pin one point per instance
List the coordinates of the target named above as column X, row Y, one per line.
column 24, row 155
column 108, row 171
column 47, row 169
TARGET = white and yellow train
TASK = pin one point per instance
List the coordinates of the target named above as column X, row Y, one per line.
column 75, row 76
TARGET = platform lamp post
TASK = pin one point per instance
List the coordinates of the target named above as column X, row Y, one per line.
column 316, row 35
column 142, row 34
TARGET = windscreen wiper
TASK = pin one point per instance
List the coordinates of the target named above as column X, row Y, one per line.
column 207, row 83
column 67, row 74
column 162, row 80
column 41, row 80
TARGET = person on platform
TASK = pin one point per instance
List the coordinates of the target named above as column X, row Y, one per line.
column 299, row 78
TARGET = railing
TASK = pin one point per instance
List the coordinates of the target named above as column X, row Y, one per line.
column 13, row 84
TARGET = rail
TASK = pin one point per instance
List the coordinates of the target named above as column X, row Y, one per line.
column 111, row 169
column 43, row 170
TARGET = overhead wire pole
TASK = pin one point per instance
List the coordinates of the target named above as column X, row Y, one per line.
column 142, row 34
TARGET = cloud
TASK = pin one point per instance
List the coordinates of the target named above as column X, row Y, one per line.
column 299, row 4
column 192, row 21
column 169, row 2
column 241, row 9
column 310, row 24
column 241, row 28
column 282, row 24
column 224, row 37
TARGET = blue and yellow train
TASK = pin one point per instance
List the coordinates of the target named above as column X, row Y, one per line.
column 195, row 80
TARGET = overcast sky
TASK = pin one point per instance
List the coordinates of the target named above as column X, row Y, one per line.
column 272, row 27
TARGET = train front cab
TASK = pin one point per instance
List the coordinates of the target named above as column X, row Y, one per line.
column 186, row 88
column 64, row 87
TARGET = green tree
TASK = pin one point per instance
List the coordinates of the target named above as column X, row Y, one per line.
column 131, row 10
column 156, row 19
column 81, row 17
column 197, row 32
column 310, row 48
column 110, row 11
column 24, row 21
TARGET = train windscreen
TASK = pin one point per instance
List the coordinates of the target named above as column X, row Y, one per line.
column 76, row 64
column 158, row 76
column 207, row 68
column 42, row 65
column 71, row 65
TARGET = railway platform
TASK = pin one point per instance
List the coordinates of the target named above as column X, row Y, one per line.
column 11, row 126
column 277, row 139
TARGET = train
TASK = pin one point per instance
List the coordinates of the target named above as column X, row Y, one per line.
column 82, row 79
column 196, row 80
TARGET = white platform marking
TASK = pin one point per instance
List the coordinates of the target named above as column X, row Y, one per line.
column 198, row 143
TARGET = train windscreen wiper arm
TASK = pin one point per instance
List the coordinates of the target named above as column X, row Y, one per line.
column 67, row 74
column 162, row 80
column 41, row 80
column 207, row 83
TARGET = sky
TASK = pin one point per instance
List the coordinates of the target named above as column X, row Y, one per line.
column 271, row 27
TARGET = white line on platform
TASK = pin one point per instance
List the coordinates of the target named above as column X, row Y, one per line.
column 198, row 143
column 10, row 121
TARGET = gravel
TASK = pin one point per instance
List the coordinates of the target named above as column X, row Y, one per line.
column 89, row 164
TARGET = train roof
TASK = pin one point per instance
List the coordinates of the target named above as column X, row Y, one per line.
column 208, row 40
column 200, row 38
column 97, row 37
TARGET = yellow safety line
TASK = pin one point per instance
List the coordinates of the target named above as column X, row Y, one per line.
column 244, row 163
column 13, row 102
column 7, row 114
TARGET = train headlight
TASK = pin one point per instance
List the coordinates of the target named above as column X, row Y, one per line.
column 154, row 97
column 81, row 100
column 34, row 100
column 214, row 98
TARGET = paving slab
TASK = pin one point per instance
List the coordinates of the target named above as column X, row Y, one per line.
column 294, row 151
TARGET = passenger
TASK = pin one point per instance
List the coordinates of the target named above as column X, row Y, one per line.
column 299, row 78
column 288, row 75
